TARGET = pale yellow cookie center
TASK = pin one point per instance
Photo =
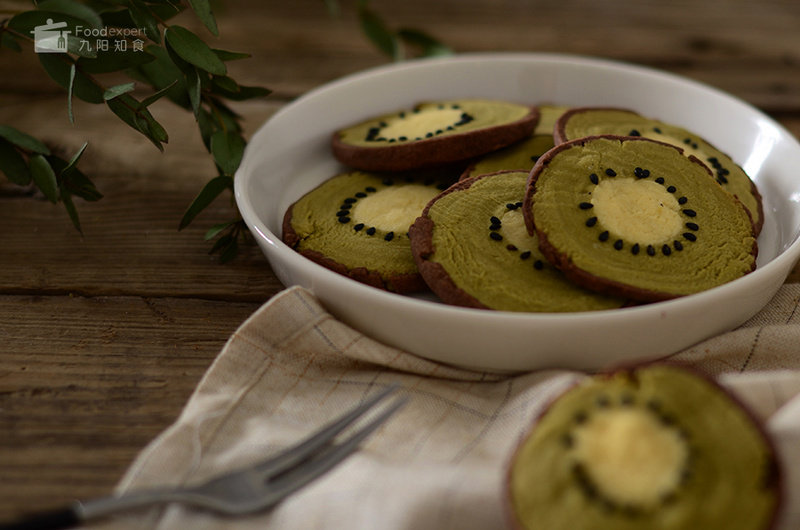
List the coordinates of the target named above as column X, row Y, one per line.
column 514, row 230
column 630, row 456
column 639, row 211
column 393, row 209
column 418, row 124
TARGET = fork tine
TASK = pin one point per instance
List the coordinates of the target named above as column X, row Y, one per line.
column 297, row 453
column 284, row 484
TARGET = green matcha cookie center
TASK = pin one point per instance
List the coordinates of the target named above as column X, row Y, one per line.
column 630, row 456
column 393, row 209
column 418, row 124
column 637, row 210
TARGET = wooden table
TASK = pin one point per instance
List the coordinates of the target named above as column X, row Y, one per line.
column 104, row 335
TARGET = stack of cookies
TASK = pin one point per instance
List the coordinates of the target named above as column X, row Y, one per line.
column 541, row 208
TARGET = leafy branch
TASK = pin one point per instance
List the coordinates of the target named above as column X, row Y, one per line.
column 135, row 37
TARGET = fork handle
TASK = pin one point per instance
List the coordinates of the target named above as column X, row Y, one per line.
column 57, row 519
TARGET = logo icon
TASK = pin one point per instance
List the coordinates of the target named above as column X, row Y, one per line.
column 50, row 37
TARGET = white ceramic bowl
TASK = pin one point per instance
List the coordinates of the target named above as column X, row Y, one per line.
column 290, row 154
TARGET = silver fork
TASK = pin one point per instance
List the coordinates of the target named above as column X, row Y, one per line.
column 249, row 490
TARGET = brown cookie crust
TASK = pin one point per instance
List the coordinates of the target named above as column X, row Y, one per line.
column 436, row 151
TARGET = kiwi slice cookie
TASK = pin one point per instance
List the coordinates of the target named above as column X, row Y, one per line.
column 586, row 121
column 432, row 134
column 523, row 154
column 356, row 223
column 635, row 218
column 472, row 248
column 658, row 446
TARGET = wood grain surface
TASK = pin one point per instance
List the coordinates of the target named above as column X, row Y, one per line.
column 104, row 335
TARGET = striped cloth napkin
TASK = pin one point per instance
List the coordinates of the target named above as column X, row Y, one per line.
column 439, row 463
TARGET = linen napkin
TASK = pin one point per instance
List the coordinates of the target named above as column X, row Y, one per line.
column 439, row 462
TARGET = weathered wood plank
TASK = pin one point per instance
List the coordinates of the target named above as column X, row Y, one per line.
column 85, row 383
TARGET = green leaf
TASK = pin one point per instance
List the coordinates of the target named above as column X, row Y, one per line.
column 122, row 18
column 129, row 110
column 8, row 41
column 74, row 9
column 144, row 19
column 379, row 33
column 162, row 73
column 193, row 50
column 66, row 198
column 152, row 98
column 72, row 179
column 75, row 158
column 25, row 141
column 225, row 55
column 70, row 114
column 118, row 90
column 430, row 46
column 44, row 177
column 210, row 191
column 207, row 126
column 215, row 230
column 202, row 9
column 57, row 66
column 114, row 61
column 227, row 148
column 13, row 164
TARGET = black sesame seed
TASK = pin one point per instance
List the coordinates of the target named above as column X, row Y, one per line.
column 342, row 213
column 495, row 227
column 402, row 114
column 585, row 205
column 511, row 206
column 635, row 249
column 593, row 177
column 538, row 265
column 519, row 204
column 496, row 236
column 611, row 173
column 687, row 141
column 689, row 213
column 650, row 250
column 656, row 129
column 694, row 145
column 692, row 226
column 660, row 180
column 682, row 200
column 358, row 227
column 690, row 236
column 370, row 189
column 429, row 135
column 534, row 158
column 361, row 194
column 350, row 200
column 402, row 138
column 494, row 220
column 512, row 248
column 634, row 132
column 618, row 244
column 371, row 231
column 344, row 219
column 525, row 255
column 591, row 221
column 666, row 250
column 677, row 245
column 581, row 417
column 671, row 189
column 721, row 179
column 603, row 236
column 389, row 236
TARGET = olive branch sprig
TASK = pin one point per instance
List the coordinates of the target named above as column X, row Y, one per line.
column 172, row 62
